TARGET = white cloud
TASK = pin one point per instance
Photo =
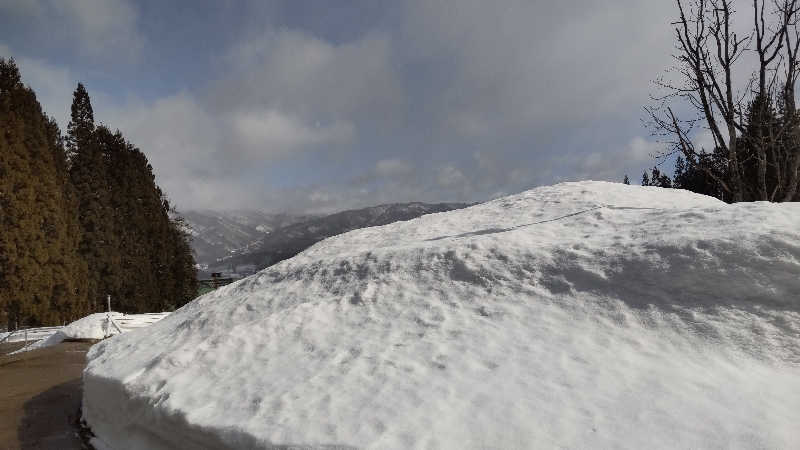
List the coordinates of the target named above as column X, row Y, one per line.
column 105, row 29
column 611, row 165
column 270, row 132
column 450, row 177
column 392, row 168
column 103, row 26
column 641, row 150
column 520, row 65
column 313, row 79
column 21, row 8
column 434, row 102
column 53, row 86
column 182, row 143
column 287, row 94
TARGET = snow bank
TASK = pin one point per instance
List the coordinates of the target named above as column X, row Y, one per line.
column 93, row 326
column 96, row 326
column 29, row 334
column 582, row 315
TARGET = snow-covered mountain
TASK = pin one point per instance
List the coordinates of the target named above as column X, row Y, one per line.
column 220, row 234
column 581, row 315
column 287, row 241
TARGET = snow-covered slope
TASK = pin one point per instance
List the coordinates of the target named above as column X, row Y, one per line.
column 218, row 234
column 582, row 315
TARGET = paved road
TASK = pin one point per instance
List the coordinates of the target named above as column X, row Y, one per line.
column 40, row 397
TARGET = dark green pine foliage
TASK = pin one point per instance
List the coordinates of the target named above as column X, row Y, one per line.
column 183, row 264
column 768, row 138
column 42, row 277
column 702, row 175
column 99, row 245
column 766, row 145
column 135, row 251
column 657, row 179
column 81, row 125
column 156, row 266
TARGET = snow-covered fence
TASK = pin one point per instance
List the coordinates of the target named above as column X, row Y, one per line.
column 28, row 334
column 95, row 326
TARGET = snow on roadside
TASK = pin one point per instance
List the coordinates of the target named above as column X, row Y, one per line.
column 96, row 326
column 581, row 315
column 93, row 326
column 30, row 334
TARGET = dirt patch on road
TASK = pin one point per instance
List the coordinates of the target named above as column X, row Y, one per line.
column 41, row 397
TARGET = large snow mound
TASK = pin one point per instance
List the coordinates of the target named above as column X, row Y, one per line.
column 93, row 326
column 582, row 315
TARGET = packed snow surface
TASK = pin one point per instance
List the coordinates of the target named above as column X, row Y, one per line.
column 582, row 315
column 94, row 326
column 29, row 334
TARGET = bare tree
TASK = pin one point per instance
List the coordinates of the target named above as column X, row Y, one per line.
column 709, row 55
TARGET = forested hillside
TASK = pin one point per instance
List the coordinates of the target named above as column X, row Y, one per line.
column 42, row 275
column 220, row 234
column 81, row 217
column 285, row 242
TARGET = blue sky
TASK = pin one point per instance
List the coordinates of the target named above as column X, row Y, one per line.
column 322, row 105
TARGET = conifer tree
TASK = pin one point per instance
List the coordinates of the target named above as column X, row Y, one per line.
column 656, row 178
column 77, row 229
column 81, row 125
column 155, row 267
column 42, row 277
column 89, row 176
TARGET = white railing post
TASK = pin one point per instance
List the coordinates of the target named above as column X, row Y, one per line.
column 108, row 315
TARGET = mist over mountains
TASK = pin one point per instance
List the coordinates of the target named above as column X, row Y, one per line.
column 220, row 234
column 243, row 241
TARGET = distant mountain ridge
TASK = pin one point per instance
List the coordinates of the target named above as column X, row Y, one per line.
column 219, row 234
column 267, row 248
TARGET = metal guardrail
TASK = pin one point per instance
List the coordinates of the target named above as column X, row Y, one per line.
column 29, row 334
column 121, row 324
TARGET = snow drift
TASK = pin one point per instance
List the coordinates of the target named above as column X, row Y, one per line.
column 95, row 327
column 579, row 315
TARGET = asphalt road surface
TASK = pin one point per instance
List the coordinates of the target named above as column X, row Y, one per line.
column 40, row 397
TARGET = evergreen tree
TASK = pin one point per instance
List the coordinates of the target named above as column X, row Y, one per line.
column 659, row 179
column 626, row 180
column 90, row 178
column 77, row 229
column 42, row 277
column 768, row 139
column 184, row 270
column 155, row 267
column 81, row 125
column 656, row 178
column 702, row 174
